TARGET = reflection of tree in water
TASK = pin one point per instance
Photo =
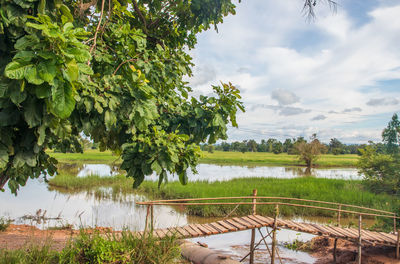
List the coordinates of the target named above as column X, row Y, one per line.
column 300, row 171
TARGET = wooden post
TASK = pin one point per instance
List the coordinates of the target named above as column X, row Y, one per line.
column 359, row 239
column 152, row 218
column 394, row 224
column 146, row 224
column 274, row 235
column 253, row 231
column 398, row 245
column 338, row 216
column 334, row 251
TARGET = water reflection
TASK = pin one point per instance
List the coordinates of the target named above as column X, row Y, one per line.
column 211, row 172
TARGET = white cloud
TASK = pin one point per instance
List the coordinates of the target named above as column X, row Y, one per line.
column 284, row 97
column 318, row 117
column 332, row 63
column 383, row 101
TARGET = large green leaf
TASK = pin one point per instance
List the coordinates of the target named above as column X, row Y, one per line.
column 62, row 100
column 16, row 70
column 3, row 157
column 32, row 76
column 47, row 71
column 32, row 112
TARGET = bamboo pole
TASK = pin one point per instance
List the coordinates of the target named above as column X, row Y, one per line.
column 274, row 235
column 334, row 251
column 394, row 225
column 398, row 245
column 359, row 239
column 152, row 218
column 146, row 224
column 262, row 197
column 338, row 216
column 253, row 231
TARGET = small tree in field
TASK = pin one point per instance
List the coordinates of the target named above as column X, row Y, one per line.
column 309, row 151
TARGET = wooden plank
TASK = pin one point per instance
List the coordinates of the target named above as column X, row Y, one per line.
column 334, row 232
column 173, row 231
column 376, row 234
column 219, row 227
column 211, row 228
column 200, row 233
column 251, row 221
column 227, row 226
column 255, row 219
column 239, row 226
column 190, row 231
column 345, row 233
column 353, row 232
column 321, row 229
column 299, row 227
column 244, row 223
column 183, row 232
column 203, row 229
column 307, row 228
column 389, row 239
column 368, row 236
column 268, row 220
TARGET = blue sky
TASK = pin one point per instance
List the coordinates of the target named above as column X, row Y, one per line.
column 337, row 76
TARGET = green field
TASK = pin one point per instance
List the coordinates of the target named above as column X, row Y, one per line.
column 332, row 190
column 270, row 159
column 220, row 157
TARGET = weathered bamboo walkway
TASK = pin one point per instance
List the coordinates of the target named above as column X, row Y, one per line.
column 257, row 221
column 254, row 221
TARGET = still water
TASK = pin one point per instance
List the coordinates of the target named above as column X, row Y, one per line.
column 211, row 172
column 38, row 205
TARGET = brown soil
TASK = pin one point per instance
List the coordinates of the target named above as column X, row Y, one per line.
column 19, row 236
column 322, row 249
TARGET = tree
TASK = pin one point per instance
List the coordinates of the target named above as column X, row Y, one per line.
column 336, row 147
column 391, row 135
column 114, row 71
column 309, row 151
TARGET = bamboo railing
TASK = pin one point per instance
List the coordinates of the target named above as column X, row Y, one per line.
column 255, row 200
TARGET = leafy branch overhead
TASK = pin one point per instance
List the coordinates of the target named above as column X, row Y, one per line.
column 113, row 70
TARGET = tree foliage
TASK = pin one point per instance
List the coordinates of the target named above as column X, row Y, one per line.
column 113, row 70
column 381, row 171
column 309, row 151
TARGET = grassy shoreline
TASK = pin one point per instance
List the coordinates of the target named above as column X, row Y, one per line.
column 219, row 157
column 331, row 190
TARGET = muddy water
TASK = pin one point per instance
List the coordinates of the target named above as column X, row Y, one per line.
column 211, row 172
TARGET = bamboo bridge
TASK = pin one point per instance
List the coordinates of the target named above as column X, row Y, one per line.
column 254, row 221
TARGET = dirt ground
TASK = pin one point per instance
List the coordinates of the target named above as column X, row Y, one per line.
column 322, row 249
column 18, row 236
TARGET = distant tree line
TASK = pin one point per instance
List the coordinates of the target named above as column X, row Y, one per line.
column 289, row 146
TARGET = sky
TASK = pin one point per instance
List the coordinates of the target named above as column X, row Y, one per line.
column 337, row 76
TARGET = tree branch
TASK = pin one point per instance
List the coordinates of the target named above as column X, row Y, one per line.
column 142, row 18
column 97, row 29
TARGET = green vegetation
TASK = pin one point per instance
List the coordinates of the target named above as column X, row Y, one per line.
column 4, row 223
column 98, row 249
column 113, row 70
column 265, row 159
column 332, row 190
column 219, row 157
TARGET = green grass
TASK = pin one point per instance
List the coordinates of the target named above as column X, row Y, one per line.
column 270, row 159
column 90, row 155
column 331, row 190
column 4, row 223
column 219, row 157
column 96, row 248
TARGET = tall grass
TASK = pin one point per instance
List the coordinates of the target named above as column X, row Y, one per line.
column 331, row 190
column 99, row 248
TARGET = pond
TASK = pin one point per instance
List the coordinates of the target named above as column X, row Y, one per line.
column 40, row 206
column 211, row 172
